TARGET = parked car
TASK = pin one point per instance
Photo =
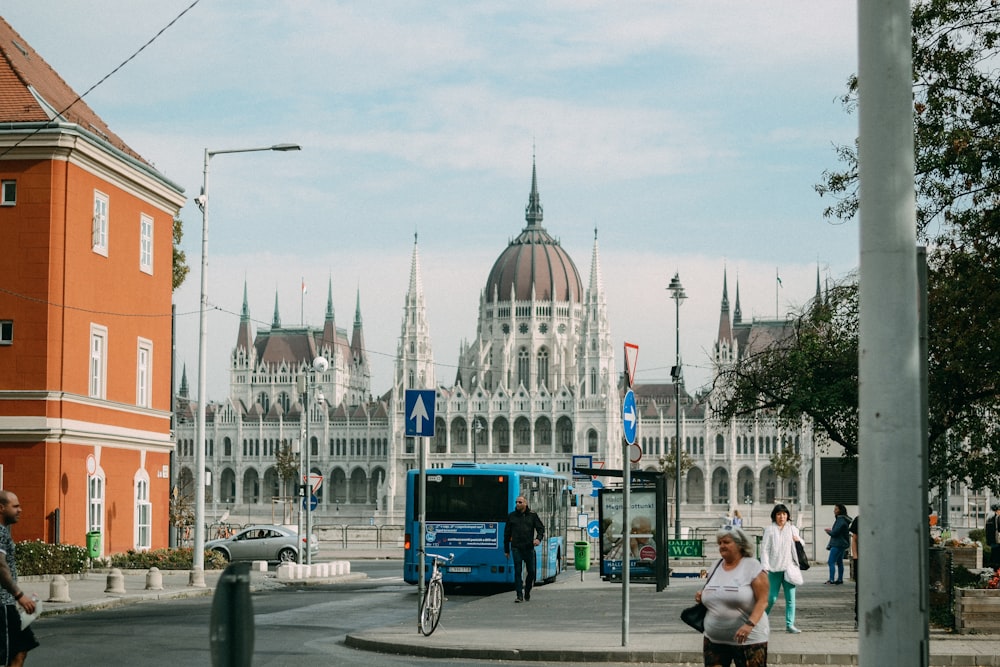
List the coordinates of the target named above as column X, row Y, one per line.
column 270, row 543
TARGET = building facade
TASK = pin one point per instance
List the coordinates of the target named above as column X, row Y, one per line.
column 537, row 384
column 85, row 411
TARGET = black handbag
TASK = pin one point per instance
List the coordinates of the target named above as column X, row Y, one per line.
column 695, row 615
column 800, row 555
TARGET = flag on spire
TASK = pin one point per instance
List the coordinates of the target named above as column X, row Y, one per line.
column 304, row 289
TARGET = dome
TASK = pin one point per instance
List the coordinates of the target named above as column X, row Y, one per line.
column 534, row 261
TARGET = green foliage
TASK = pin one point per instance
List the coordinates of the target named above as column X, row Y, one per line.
column 181, row 558
column 810, row 374
column 668, row 464
column 786, row 463
column 37, row 557
column 181, row 268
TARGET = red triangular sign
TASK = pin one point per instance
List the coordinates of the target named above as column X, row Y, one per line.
column 631, row 358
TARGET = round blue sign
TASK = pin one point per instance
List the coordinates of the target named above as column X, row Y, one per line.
column 310, row 503
column 594, row 529
column 630, row 418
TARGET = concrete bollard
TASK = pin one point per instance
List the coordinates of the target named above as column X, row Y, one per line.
column 58, row 589
column 323, row 570
column 259, row 566
column 154, row 579
column 285, row 572
column 116, row 582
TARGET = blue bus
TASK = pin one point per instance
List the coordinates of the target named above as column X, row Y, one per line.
column 467, row 508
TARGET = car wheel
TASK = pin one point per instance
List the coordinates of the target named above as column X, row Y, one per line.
column 223, row 553
column 287, row 555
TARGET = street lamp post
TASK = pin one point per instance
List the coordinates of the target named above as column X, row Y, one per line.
column 319, row 365
column 677, row 294
column 198, row 557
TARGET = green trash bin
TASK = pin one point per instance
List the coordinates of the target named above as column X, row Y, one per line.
column 94, row 544
column 581, row 555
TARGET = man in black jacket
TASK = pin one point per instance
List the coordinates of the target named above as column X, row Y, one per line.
column 524, row 531
column 993, row 536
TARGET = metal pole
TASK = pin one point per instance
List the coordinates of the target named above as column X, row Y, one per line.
column 892, row 614
column 421, row 537
column 198, row 556
column 307, row 501
column 626, row 537
column 677, row 294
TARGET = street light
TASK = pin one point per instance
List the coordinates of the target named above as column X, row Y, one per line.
column 198, row 557
column 677, row 294
column 319, row 365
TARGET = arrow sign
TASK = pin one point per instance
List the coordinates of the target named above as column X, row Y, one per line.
column 629, row 420
column 420, row 412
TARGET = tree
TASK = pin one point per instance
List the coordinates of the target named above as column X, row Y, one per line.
column 181, row 268
column 809, row 374
column 668, row 465
column 956, row 106
column 286, row 463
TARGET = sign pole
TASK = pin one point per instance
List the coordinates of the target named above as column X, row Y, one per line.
column 626, row 538
column 421, row 538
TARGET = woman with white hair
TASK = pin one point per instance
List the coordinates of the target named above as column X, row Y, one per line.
column 736, row 626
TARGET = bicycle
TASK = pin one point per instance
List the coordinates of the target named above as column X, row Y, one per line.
column 430, row 606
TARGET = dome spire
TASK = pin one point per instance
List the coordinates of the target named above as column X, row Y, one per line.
column 533, row 211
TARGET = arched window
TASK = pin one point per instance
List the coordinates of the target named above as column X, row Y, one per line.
column 264, row 401
column 720, row 444
column 543, row 368
column 524, row 367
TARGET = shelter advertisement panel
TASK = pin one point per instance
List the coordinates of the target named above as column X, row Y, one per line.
column 642, row 550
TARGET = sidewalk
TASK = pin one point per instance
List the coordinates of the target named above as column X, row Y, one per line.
column 87, row 591
column 581, row 621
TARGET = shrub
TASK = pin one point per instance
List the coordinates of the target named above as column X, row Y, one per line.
column 35, row 557
column 181, row 558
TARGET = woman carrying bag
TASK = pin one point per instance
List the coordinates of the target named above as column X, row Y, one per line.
column 779, row 560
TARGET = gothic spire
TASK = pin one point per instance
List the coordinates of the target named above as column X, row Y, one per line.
column 276, row 320
column 533, row 211
column 737, row 313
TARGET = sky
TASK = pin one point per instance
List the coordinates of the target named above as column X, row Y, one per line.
column 688, row 134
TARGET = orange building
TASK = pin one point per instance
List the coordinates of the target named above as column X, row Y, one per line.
column 85, row 316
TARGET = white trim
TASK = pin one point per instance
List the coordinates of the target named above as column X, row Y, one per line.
column 147, row 244
column 144, row 373
column 97, row 369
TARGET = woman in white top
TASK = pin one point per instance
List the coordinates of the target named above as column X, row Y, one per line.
column 736, row 626
column 777, row 555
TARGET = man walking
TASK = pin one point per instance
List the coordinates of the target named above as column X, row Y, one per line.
column 524, row 531
column 16, row 641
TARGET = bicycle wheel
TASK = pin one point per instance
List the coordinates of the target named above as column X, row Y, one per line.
column 430, row 610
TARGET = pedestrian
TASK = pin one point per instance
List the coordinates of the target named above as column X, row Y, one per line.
column 853, row 530
column 737, row 519
column 735, row 595
column 993, row 536
column 17, row 640
column 839, row 544
column 524, row 531
column 777, row 557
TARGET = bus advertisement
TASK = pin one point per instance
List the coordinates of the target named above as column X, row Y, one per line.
column 467, row 507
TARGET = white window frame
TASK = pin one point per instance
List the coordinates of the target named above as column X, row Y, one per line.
column 146, row 243
column 144, row 373
column 95, row 503
column 8, row 192
column 143, row 533
column 98, row 358
column 100, row 223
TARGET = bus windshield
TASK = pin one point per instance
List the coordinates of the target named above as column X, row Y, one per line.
column 467, row 498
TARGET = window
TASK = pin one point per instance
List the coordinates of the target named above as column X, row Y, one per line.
column 95, row 502
column 6, row 332
column 145, row 244
column 98, row 361
column 8, row 193
column 143, row 512
column 100, row 228
column 144, row 373
column 523, row 367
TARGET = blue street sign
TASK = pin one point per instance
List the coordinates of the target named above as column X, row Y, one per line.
column 420, row 412
column 594, row 529
column 629, row 417
column 311, row 503
column 596, row 487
